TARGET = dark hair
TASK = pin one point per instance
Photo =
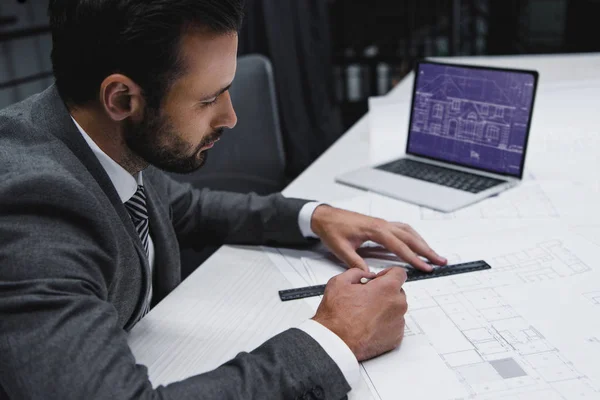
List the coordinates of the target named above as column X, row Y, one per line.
column 138, row 38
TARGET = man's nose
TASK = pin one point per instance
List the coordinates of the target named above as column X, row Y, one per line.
column 228, row 117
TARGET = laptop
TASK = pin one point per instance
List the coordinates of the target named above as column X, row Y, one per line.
column 467, row 139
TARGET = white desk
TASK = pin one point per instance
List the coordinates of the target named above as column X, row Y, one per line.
column 351, row 150
column 230, row 304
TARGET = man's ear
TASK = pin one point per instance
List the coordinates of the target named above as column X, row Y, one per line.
column 121, row 97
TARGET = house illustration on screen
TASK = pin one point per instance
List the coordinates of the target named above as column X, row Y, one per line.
column 467, row 109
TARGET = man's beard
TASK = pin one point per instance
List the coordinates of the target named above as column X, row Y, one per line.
column 156, row 142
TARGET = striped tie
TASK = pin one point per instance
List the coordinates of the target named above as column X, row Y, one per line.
column 139, row 215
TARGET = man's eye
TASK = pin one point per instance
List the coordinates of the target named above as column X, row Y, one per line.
column 210, row 103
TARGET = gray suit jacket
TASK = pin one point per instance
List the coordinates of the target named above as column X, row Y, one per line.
column 72, row 272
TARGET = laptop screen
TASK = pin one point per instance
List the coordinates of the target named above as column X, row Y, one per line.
column 472, row 116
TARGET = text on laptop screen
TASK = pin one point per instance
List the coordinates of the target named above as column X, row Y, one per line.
column 473, row 117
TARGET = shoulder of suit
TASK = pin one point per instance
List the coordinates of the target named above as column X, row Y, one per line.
column 26, row 146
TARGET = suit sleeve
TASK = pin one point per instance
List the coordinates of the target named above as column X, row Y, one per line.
column 215, row 217
column 60, row 336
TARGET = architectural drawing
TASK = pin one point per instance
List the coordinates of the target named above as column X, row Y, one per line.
column 527, row 201
column 593, row 297
column 443, row 108
column 474, row 117
column 493, row 350
column 549, row 260
column 476, row 331
column 411, row 328
column 589, row 232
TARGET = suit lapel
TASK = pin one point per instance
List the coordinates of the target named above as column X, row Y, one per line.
column 166, row 249
column 56, row 117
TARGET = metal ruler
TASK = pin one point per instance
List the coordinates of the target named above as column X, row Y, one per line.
column 412, row 275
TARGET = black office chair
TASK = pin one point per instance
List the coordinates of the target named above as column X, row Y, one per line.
column 250, row 157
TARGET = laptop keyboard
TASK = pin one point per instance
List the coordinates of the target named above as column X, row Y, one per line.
column 440, row 175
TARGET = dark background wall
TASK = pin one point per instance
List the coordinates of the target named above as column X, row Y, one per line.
column 25, row 46
column 370, row 44
column 376, row 42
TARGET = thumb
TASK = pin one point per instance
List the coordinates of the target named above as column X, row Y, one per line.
column 350, row 257
column 353, row 275
column 395, row 273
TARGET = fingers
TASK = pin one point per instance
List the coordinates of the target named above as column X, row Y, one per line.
column 417, row 243
column 385, row 271
column 348, row 255
column 401, row 249
column 396, row 273
column 419, row 246
column 353, row 275
column 408, row 228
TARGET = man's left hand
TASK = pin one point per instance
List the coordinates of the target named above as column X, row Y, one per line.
column 344, row 231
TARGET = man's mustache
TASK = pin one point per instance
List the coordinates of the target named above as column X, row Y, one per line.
column 213, row 136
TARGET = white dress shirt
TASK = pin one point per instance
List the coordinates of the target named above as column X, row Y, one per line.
column 126, row 186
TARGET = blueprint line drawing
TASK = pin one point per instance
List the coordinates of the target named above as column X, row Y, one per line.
column 543, row 262
column 491, row 348
column 593, row 297
column 443, row 109
column 490, row 334
column 475, row 117
column 589, row 232
column 521, row 203
column 549, row 260
column 411, row 328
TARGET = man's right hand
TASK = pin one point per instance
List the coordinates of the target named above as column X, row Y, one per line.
column 369, row 317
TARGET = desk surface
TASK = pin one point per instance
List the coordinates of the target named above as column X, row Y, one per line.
column 230, row 303
column 351, row 151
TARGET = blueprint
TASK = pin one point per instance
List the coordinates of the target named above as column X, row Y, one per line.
column 547, row 200
column 526, row 329
column 529, row 328
column 564, row 157
column 527, row 201
column 590, row 232
column 478, row 118
column 531, row 200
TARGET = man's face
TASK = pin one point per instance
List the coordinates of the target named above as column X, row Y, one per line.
column 194, row 111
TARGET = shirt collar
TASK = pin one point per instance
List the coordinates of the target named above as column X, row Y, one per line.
column 125, row 183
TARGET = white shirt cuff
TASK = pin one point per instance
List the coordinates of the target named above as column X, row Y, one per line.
column 335, row 348
column 305, row 218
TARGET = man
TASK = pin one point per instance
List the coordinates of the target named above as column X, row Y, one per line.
column 89, row 231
